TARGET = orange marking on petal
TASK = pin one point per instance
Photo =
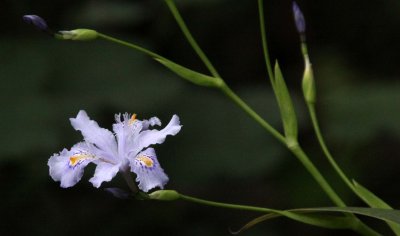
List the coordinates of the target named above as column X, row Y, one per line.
column 147, row 161
column 77, row 159
column 133, row 119
column 73, row 160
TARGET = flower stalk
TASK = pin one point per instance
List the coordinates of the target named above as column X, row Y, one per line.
column 182, row 25
column 110, row 152
column 264, row 42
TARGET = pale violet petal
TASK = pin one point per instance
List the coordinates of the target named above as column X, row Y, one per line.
column 68, row 166
column 149, row 137
column 102, row 138
column 148, row 170
column 150, row 122
column 104, row 173
column 126, row 129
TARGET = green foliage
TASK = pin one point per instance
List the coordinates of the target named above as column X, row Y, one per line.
column 286, row 107
column 78, row 35
column 308, row 82
column 314, row 216
column 374, row 201
column 190, row 75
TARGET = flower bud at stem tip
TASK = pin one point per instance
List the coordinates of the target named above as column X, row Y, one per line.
column 299, row 19
column 164, row 195
column 308, row 82
column 36, row 21
column 78, row 35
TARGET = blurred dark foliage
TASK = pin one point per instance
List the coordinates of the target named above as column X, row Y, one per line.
column 220, row 154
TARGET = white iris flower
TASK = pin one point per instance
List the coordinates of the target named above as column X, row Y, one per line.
column 125, row 149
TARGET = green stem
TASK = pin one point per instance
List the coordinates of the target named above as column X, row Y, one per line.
column 326, row 151
column 303, row 158
column 174, row 10
column 299, row 153
column 130, row 45
column 129, row 181
column 363, row 229
column 328, row 155
column 296, row 150
column 359, row 226
column 238, row 101
column 264, row 42
column 226, row 205
column 356, row 224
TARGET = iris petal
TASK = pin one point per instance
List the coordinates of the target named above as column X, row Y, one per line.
column 148, row 170
column 149, row 137
column 112, row 152
column 64, row 168
column 104, row 172
column 126, row 129
column 102, row 138
column 150, row 122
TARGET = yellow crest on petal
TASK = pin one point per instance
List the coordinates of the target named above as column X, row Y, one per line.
column 133, row 119
column 78, row 158
column 145, row 160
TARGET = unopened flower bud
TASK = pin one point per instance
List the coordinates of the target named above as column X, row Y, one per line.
column 36, row 21
column 78, row 35
column 164, row 195
column 308, row 83
column 299, row 18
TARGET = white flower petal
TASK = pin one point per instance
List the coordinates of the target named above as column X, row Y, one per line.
column 112, row 153
column 102, row 138
column 151, row 122
column 126, row 129
column 67, row 166
column 104, row 173
column 148, row 170
column 149, row 137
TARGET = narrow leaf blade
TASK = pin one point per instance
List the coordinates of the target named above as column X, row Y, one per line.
column 320, row 220
column 285, row 106
column 190, row 75
column 318, row 217
column 374, row 201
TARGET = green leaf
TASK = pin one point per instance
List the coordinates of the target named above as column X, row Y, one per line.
column 374, row 201
column 190, row 75
column 324, row 221
column 318, row 217
column 286, row 107
column 368, row 197
column 388, row 215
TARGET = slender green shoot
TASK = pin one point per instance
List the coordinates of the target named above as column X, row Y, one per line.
column 264, row 42
column 325, row 149
column 182, row 25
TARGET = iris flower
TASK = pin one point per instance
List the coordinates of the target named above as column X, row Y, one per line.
column 127, row 148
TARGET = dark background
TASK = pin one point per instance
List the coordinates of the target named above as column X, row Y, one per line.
column 220, row 154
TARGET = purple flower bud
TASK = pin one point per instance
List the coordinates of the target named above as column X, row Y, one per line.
column 37, row 21
column 299, row 18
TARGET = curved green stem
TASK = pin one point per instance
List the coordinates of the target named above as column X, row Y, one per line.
column 303, row 158
column 238, row 101
column 264, row 42
column 360, row 227
column 328, row 155
column 226, row 205
column 296, row 150
column 337, row 168
column 130, row 45
column 189, row 37
column 355, row 223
